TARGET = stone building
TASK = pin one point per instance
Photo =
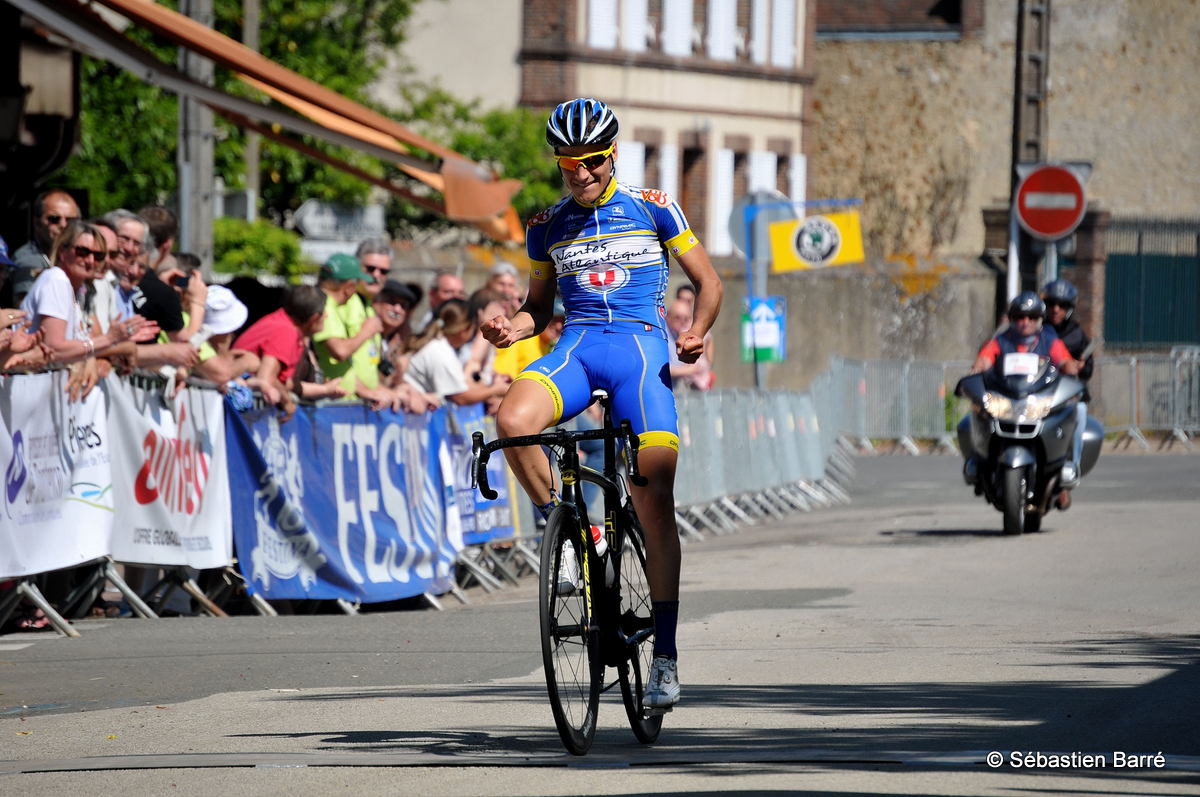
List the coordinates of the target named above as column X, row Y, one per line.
column 710, row 93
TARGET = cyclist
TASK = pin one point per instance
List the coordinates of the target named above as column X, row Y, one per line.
column 605, row 248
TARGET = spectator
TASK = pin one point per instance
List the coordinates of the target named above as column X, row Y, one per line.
column 139, row 290
column 375, row 255
column 53, row 210
column 348, row 347
column 164, row 227
column 502, row 279
column 687, row 292
column 14, row 340
column 182, row 273
column 277, row 340
column 392, row 305
column 697, row 375
column 53, row 302
column 435, row 368
column 446, row 285
column 224, row 314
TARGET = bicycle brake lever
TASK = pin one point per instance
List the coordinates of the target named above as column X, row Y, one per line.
column 479, row 478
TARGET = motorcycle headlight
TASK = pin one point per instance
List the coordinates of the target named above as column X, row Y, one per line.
column 997, row 406
column 1037, row 407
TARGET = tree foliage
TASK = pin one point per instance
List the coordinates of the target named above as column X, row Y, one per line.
column 128, row 142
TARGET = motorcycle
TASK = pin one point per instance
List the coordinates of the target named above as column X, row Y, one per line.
column 1019, row 434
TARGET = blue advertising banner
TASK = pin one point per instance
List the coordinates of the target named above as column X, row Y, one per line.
column 343, row 502
column 482, row 520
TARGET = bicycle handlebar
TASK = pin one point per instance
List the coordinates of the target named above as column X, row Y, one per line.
column 481, row 452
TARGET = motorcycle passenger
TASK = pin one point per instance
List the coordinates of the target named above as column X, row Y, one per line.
column 1059, row 296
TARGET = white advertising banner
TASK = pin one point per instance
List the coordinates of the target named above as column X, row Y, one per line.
column 58, row 498
column 171, row 477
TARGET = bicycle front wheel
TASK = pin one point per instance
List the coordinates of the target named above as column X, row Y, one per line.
column 570, row 646
column 637, row 628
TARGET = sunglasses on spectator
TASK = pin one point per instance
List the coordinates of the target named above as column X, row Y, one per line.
column 1026, row 317
column 82, row 251
column 592, row 160
column 376, row 269
column 53, row 219
column 1055, row 303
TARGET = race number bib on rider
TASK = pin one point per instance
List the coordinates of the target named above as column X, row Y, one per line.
column 1021, row 364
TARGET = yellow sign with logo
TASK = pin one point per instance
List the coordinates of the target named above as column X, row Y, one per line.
column 831, row 239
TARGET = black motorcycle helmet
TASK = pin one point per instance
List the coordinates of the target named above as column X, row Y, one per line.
column 1063, row 293
column 1027, row 303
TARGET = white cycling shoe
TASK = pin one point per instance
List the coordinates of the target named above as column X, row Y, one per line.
column 568, row 574
column 662, row 688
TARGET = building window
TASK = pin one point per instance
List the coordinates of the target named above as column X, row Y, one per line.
column 920, row 20
column 693, row 189
column 722, row 29
column 783, row 34
column 677, row 27
column 602, row 24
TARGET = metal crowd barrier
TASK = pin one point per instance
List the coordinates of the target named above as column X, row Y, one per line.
column 903, row 401
column 753, row 455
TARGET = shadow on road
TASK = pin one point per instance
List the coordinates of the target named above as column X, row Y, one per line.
column 928, row 724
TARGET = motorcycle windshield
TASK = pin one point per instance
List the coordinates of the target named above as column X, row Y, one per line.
column 1020, row 374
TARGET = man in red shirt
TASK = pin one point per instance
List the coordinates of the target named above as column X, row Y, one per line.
column 277, row 339
column 1025, row 333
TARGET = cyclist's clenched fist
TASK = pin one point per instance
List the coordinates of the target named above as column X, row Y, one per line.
column 499, row 332
column 689, row 346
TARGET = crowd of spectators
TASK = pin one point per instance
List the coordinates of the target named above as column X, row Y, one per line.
column 111, row 293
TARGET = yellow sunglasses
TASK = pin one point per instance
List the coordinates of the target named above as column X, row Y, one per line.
column 592, row 160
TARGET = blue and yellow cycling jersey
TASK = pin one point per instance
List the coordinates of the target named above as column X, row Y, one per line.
column 611, row 259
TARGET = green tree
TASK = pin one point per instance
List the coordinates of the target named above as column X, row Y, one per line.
column 129, row 128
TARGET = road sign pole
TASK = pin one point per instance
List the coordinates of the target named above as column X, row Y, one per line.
column 1051, row 264
column 1013, row 285
column 749, row 214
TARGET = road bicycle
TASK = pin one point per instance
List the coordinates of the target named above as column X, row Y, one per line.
column 594, row 607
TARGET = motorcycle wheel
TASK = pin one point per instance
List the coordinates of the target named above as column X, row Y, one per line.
column 1014, row 500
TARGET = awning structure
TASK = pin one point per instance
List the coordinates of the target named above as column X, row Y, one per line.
column 470, row 193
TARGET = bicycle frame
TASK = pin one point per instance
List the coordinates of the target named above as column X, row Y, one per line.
column 573, row 474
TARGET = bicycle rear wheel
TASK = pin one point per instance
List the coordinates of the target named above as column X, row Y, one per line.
column 570, row 647
column 637, row 627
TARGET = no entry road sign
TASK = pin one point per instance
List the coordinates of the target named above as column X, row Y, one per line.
column 1050, row 202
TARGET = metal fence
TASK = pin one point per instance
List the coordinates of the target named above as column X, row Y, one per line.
column 899, row 402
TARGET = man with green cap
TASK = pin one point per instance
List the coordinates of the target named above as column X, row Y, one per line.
column 348, row 347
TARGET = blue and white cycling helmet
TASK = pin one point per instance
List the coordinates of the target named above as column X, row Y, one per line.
column 581, row 122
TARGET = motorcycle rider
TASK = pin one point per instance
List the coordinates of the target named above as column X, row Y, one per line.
column 1026, row 333
column 1059, row 296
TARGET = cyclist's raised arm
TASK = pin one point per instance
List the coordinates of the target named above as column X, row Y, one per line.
column 709, row 290
column 530, row 320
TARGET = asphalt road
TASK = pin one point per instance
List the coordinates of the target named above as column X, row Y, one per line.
column 885, row 646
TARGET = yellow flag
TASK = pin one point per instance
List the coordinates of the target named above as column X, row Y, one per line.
column 831, row 239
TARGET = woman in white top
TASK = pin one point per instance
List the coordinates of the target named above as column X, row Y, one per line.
column 435, row 368
column 53, row 304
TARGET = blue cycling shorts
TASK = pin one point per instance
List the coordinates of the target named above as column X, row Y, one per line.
column 633, row 368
